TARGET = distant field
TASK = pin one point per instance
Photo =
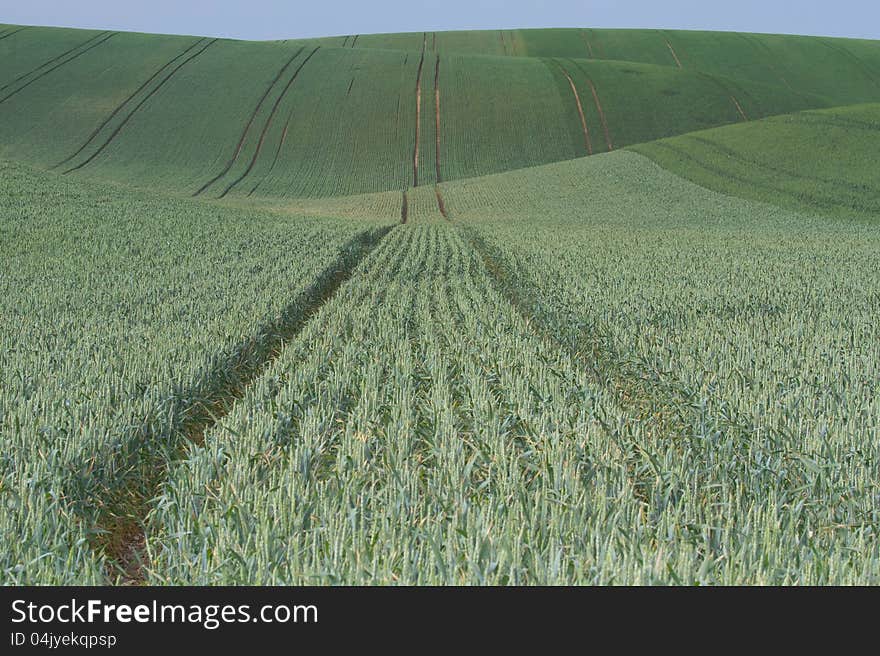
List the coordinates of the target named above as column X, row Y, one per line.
column 509, row 307
column 313, row 119
column 820, row 160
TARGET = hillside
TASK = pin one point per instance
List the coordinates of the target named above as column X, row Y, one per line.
column 312, row 118
column 551, row 307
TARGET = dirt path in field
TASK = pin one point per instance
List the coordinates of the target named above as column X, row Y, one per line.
column 124, row 498
column 418, row 112
column 503, row 44
column 6, row 35
column 247, row 125
column 404, row 209
column 50, row 61
column 587, row 42
column 53, row 68
column 268, row 123
column 437, row 118
column 125, row 102
column 601, row 115
column 128, row 117
column 440, row 204
column 739, row 108
column 587, row 143
column 355, row 40
column 674, row 56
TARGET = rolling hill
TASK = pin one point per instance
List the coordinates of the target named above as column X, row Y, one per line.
column 318, row 118
column 564, row 306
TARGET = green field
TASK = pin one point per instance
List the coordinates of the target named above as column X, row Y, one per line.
column 481, row 308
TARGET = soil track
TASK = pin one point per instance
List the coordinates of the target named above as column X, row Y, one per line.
column 124, row 501
column 601, row 115
column 418, row 112
column 268, row 123
column 6, row 35
column 587, row 143
column 440, row 204
column 598, row 104
column 50, row 61
column 587, row 41
column 739, row 108
column 247, row 126
column 56, row 66
column 404, row 209
column 437, row 117
column 138, row 106
column 674, row 56
column 355, row 40
column 125, row 102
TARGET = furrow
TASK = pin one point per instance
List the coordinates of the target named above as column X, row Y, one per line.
column 440, row 204
column 674, row 56
column 437, row 117
column 125, row 102
column 739, row 108
column 247, row 126
column 125, row 121
column 418, row 113
column 268, row 123
column 51, row 61
column 124, row 501
column 56, row 66
column 12, row 33
column 587, row 42
column 580, row 108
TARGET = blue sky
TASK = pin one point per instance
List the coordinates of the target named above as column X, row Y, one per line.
column 272, row 19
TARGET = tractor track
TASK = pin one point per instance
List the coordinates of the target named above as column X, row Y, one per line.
column 268, row 123
column 125, row 102
column 674, row 55
column 739, row 108
column 123, row 501
column 441, row 205
column 51, row 61
column 6, row 35
column 580, row 108
column 418, row 112
column 437, row 117
column 404, row 209
column 587, row 42
column 55, row 67
column 134, row 111
column 599, row 108
column 247, row 126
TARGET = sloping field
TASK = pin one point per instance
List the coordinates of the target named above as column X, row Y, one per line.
column 408, row 309
column 821, row 160
column 219, row 118
column 841, row 70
